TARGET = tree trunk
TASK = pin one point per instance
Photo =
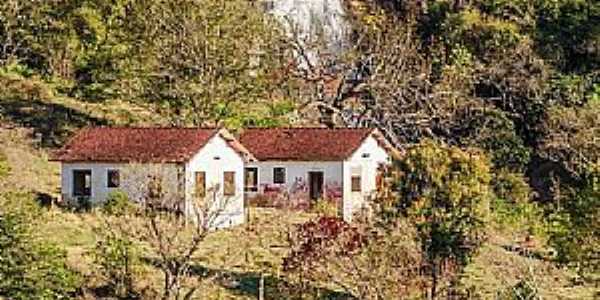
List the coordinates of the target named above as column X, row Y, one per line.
column 434, row 281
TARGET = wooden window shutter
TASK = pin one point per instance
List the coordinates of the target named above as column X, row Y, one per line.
column 229, row 183
column 356, row 184
column 155, row 187
column 355, row 179
column 200, row 180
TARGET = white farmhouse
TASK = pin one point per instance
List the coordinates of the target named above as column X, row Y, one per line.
column 297, row 166
column 190, row 164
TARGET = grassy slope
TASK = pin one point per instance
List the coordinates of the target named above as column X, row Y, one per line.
column 238, row 253
column 496, row 270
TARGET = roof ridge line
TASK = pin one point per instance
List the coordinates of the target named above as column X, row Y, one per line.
column 310, row 128
column 150, row 127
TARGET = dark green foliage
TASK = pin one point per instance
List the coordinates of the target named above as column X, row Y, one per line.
column 568, row 31
column 445, row 191
column 30, row 268
column 511, row 187
column 493, row 131
column 117, row 204
column 570, row 137
column 100, row 27
column 575, row 233
column 482, row 35
column 575, row 90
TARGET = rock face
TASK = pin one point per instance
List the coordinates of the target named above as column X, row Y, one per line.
column 313, row 20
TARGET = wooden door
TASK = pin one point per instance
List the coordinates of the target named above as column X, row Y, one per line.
column 315, row 183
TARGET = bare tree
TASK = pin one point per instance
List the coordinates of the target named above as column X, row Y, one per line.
column 381, row 80
column 170, row 224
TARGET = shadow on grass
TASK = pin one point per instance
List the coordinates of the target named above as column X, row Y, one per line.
column 44, row 199
column 54, row 122
column 247, row 284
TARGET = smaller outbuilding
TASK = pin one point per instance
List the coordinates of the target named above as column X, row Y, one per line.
column 183, row 167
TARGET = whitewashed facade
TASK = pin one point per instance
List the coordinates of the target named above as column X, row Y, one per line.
column 215, row 160
column 364, row 163
column 131, row 176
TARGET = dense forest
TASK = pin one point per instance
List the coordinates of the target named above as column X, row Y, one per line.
column 494, row 105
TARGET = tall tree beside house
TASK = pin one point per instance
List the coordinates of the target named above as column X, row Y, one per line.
column 196, row 60
column 478, row 73
column 445, row 192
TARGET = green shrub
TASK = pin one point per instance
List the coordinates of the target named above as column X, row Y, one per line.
column 512, row 187
column 512, row 210
column 117, row 204
column 118, row 264
column 521, row 217
column 83, row 204
column 19, row 88
column 324, row 207
column 575, row 230
column 30, row 267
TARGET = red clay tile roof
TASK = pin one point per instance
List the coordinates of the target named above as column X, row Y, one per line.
column 303, row 144
column 126, row 144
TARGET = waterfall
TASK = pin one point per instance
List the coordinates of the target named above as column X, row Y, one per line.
column 311, row 20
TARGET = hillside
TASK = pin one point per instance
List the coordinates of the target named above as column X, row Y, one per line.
column 493, row 272
column 494, row 106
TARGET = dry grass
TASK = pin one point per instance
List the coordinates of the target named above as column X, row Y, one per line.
column 115, row 111
column 226, row 267
column 238, row 255
column 30, row 169
column 495, row 271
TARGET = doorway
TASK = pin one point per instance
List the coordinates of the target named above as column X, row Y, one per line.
column 82, row 183
column 315, row 184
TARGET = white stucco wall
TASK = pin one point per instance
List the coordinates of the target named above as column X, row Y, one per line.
column 366, row 159
column 295, row 192
column 215, row 158
column 132, row 179
column 298, row 170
